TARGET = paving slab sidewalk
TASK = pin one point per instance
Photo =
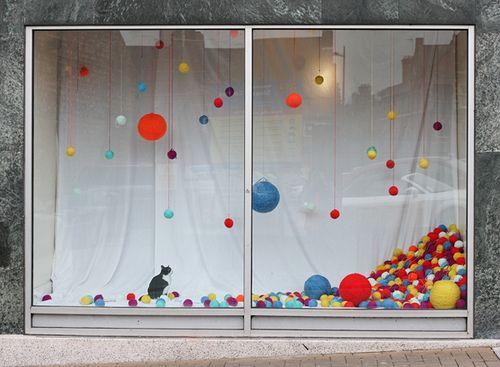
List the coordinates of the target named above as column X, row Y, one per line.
column 463, row 357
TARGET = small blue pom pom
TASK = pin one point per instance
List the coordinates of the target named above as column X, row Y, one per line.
column 265, row 196
column 316, row 286
column 142, row 87
column 99, row 302
column 109, row 154
column 169, row 213
column 203, row 119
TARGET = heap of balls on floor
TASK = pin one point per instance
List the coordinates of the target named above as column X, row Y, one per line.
column 432, row 274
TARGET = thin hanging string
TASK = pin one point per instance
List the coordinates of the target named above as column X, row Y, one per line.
column 371, row 92
column 169, row 114
column 77, row 58
column 437, row 76
column 229, row 140
column 294, row 61
column 122, row 51
column 229, row 61
column 204, row 73
column 263, row 114
column 172, row 94
column 218, row 62
column 334, row 121
column 70, row 90
column 392, row 122
column 109, row 92
column 319, row 52
column 424, row 74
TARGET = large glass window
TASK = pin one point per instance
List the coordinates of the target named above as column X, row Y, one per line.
column 138, row 168
column 359, row 169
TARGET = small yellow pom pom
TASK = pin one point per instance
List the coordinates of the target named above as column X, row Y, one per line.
column 444, row 295
column 70, row 151
column 325, row 303
column 391, row 115
column 212, row 296
column 424, row 163
column 86, row 300
column 183, row 67
column 397, row 252
column 377, row 295
column 372, row 154
column 171, row 296
column 146, row 299
column 319, row 79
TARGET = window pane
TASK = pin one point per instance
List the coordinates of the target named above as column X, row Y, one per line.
column 359, row 168
column 136, row 169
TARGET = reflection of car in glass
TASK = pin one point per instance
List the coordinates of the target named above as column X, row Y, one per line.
column 367, row 186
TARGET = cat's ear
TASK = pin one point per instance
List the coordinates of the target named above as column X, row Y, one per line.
column 162, row 267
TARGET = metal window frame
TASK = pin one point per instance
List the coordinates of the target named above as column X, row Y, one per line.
column 247, row 321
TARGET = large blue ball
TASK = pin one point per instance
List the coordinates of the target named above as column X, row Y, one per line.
column 316, row 286
column 265, row 196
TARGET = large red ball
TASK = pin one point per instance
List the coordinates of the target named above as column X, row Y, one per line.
column 152, row 126
column 334, row 214
column 293, row 100
column 228, row 223
column 393, row 190
column 355, row 288
column 218, row 102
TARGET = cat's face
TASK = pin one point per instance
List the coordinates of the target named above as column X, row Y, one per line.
column 165, row 270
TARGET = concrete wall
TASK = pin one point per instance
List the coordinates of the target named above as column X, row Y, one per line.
column 14, row 14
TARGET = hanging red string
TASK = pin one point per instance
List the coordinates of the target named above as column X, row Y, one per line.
column 393, row 190
column 218, row 102
column 335, row 213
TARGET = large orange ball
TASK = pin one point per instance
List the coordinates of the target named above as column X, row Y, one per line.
column 152, row 126
column 293, row 100
column 355, row 288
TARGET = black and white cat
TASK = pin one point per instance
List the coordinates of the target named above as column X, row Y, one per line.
column 160, row 283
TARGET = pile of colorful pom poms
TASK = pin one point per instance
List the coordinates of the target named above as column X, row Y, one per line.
column 432, row 274
column 228, row 300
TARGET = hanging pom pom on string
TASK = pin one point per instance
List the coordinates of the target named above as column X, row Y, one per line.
column 229, row 91
column 391, row 115
column 168, row 213
column 390, row 164
column 70, row 151
column 335, row 213
column 319, row 79
column 184, row 67
column 218, row 102
column 142, row 87
column 152, row 127
column 172, row 154
column 423, row 163
column 109, row 154
column 293, row 100
column 393, row 190
column 121, row 120
column 265, row 196
column 203, row 119
column 234, row 33
column 371, row 152
column 228, row 222
column 437, row 126
column 159, row 44
column 84, row 72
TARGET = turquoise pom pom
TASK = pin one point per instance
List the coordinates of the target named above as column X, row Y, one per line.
column 169, row 213
column 109, row 154
column 142, row 87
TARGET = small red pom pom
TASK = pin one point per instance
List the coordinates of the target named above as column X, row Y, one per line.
column 293, row 100
column 84, row 71
column 437, row 126
column 393, row 190
column 334, row 214
column 159, row 44
column 130, row 296
column 218, row 102
column 228, row 222
column 390, row 164
column 234, row 33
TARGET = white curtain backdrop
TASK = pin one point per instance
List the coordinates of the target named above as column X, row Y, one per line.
column 111, row 235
